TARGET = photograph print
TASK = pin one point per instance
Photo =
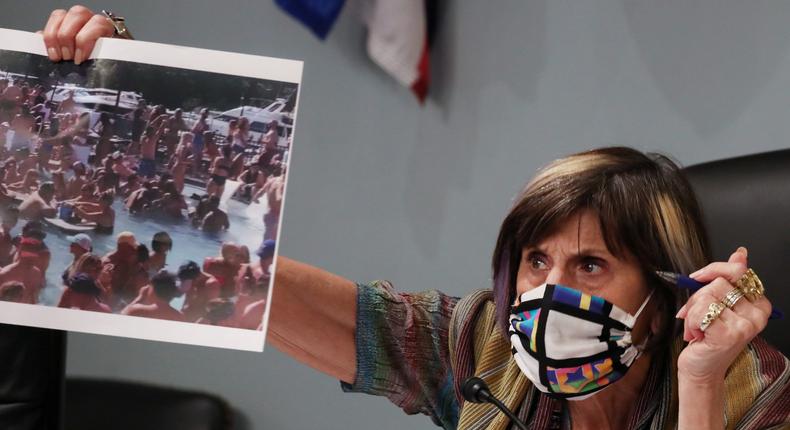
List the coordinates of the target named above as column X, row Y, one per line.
column 141, row 192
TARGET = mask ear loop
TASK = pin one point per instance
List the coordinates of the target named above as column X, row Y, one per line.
column 641, row 347
column 641, row 308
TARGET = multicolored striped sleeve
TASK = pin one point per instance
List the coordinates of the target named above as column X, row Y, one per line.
column 758, row 389
column 403, row 352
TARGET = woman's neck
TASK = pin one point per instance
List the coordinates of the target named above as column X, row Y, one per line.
column 612, row 407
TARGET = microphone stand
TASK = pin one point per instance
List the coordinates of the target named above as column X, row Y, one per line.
column 475, row 390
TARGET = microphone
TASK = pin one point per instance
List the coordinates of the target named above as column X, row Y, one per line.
column 475, row 390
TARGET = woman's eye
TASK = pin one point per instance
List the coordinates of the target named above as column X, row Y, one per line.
column 537, row 263
column 591, row 267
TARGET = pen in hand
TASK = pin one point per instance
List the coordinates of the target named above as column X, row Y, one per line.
column 684, row 282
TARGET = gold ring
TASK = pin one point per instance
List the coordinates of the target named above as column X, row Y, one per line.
column 751, row 285
column 714, row 310
column 732, row 297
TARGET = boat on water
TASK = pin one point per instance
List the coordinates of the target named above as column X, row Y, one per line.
column 259, row 117
column 97, row 100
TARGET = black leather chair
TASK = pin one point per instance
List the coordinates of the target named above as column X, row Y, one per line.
column 32, row 364
column 95, row 404
column 746, row 201
column 32, row 385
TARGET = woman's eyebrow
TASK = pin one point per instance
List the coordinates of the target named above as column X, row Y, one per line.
column 592, row 252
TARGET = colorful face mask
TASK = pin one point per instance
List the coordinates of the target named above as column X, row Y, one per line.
column 571, row 344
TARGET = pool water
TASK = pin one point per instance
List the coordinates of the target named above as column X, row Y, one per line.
column 246, row 228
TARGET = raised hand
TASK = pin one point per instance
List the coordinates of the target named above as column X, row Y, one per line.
column 72, row 34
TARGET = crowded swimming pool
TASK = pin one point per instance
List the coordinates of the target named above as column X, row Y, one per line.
column 246, row 228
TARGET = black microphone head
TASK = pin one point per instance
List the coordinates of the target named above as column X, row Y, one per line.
column 475, row 390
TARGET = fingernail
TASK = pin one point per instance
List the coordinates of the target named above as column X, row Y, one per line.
column 677, row 315
column 78, row 56
column 743, row 250
column 66, row 53
column 697, row 273
column 53, row 54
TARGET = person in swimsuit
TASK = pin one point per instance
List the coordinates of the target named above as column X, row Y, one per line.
column 175, row 125
column 104, row 128
column 84, row 293
column 65, row 155
column 75, row 184
column 11, row 172
column 27, row 185
column 199, row 288
column 138, row 127
column 215, row 219
column 10, row 217
column 274, row 191
column 172, row 203
column 220, row 169
column 165, row 290
column 252, row 288
column 226, row 267
column 180, row 160
column 219, row 312
column 200, row 127
column 161, row 244
column 140, row 201
column 39, row 204
column 131, row 185
column 12, row 291
column 147, row 167
column 80, row 244
column 102, row 213
column 241, row 136
column 24, row 270
column 87, row 194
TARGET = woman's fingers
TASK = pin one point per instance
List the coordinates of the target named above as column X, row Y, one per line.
column 72, row 34
column 98, row 26
column 72, row 23
column 697, row 306
column 51, row 34
column 732, row 270
column 754, row 313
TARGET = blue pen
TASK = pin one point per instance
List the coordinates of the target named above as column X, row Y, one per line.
column 683, row 281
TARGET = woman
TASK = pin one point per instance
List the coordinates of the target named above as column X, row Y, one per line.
column 241, row 136
column 220, row 169
column 594, row 226
column 82, row 292
column 597, row 224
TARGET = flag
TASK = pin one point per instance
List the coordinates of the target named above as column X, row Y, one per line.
column 398, row 41
column 317, row 15
column 399, row 33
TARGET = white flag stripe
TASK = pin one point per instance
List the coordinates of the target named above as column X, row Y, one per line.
column 397, row 36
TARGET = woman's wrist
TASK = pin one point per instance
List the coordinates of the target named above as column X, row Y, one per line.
column 701, row 401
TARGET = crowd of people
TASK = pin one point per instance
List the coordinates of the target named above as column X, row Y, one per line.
column 55, row 164
column 228, row 290
column 52, row 156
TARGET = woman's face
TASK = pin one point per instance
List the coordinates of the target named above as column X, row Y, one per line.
column 576, row 256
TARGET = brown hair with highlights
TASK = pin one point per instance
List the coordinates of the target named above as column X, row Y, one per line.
column 645, row 206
